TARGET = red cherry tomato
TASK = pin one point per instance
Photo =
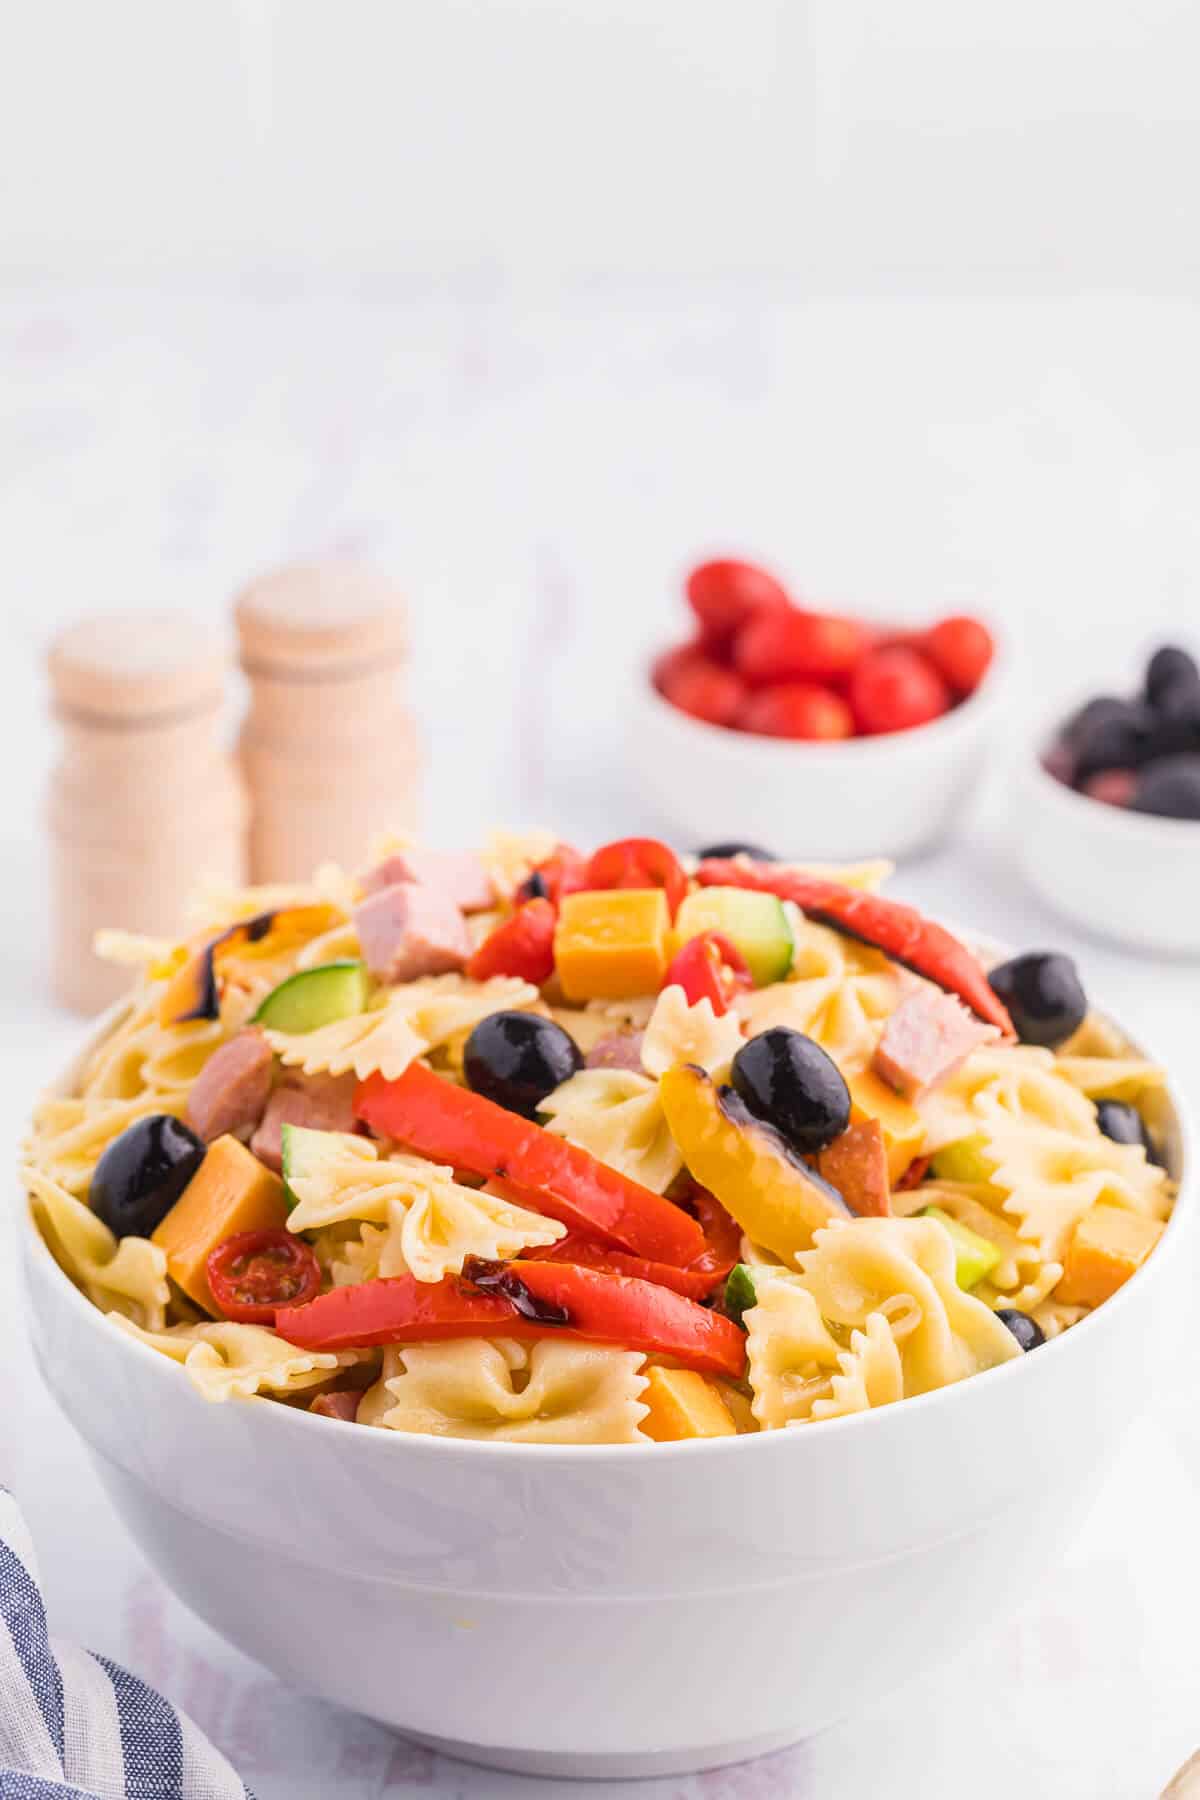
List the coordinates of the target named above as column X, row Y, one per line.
column 706, row 691
column 709, row 968
column 724, row 593
column 256, row 1274
column 674, row 662
column 639, row 863
column 796, row 646
column 893, row 690
column 522, row 945
column 961, row 650
column 797, row 709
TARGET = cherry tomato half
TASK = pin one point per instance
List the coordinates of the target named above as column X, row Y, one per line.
column 639, row 863
column 256, row 1274
column 710, row 968
column 521, row 945
column 893, row 690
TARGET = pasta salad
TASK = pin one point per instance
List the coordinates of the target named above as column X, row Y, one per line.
column 537, row 1147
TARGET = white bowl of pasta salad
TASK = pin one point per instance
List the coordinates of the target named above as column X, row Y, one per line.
column 594, row 1313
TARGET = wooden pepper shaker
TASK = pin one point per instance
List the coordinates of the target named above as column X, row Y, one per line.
column 144, row 800
column 328, row 748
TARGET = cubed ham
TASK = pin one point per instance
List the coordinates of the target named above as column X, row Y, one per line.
column 929, row 1035
column 318, row 1102
column 231, row 1091
column 619, row 1050
column 407, row 931
column 338, row 1403
column 458, row 874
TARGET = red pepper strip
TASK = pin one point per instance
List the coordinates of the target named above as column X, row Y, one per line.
column 709, row 968
column 899, row 931
column 524, row 1300
column 639, row 863
column 522, row 945
column 452, row 1125
column 723, row 1248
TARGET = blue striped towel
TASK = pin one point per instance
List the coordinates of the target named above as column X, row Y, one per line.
column 76, row 1727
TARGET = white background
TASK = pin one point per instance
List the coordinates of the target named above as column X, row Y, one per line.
column 531, row 303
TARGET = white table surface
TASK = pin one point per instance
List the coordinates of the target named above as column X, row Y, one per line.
column 537, row 473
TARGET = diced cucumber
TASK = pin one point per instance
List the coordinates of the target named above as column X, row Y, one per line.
column 964, row 1160
column 740, row 1292
column 307, row 1155
column 755, row 924
column 315, row 997
column 974, row 1256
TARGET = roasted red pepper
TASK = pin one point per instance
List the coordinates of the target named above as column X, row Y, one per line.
column 899, row 931
column 639, row 863
column 452, row 1125
column 524, row 1300
column 710, row 968
column 522, row 945
column 722, row 1249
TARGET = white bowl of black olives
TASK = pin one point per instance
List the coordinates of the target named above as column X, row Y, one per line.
column 1110, row 811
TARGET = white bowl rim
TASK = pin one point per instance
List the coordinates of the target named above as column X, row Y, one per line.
column 1121, row 821
column 747, row 1444
column 937, row 732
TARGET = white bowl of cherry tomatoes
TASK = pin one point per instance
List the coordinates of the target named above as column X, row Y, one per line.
column 837, row 735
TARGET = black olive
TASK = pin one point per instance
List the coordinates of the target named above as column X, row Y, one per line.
column 1177, row 718
column 532, row 888
column 1170, row 789
column 1043, row 994
column 787, row 1080
column 1118, row 737
column 1167, row 666
column 719, row 852
column 517, row 1058
column 143, row 1172
column 1103, row 706
column 1124, row 1124
column 1027, row 1331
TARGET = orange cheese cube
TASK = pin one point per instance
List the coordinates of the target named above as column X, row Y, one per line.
column 683, row 1405
column 611, row 944
column 903, row 1130
column 1108, row 1245
column 231, row 1191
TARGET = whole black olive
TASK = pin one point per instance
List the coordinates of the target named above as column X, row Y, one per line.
column 1116, row 738
column 787, row 1080
column 1168, row 665
column 1177, row 718
column 1027, row 1331
column 143, row 1172
column 517, row 1058
column 1124, row 1124
column 1170, row 789
column 719, row 852
column 1043, row 994
column 1103, row 706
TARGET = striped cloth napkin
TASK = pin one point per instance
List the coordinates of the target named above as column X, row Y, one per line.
column 76, row 1727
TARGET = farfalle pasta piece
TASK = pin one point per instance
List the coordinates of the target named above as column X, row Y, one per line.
column 1021, row 1270
column 1055, row 1316
column 678, row 1033
column 70, row 1136
column 404, row 1023
column 510, row 857
column 1050, row 1178
column 905, row 1268
column 616, row 1114
column 126, row 1276
column 432, row 1224
column 143, row 1058
column 1016, row 1082
column 1112, row 1078
column 870, row 1373
column 497, row 1389
column 225, row 1361
column 791, row 1354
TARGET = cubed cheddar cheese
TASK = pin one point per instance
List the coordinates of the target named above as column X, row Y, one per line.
column 230, row 1192
column 612, row 943
column 683, row 1405
column 1108, row 1245
column 903, row 1130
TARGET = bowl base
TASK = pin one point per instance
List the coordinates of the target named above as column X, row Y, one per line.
column 604, row 1765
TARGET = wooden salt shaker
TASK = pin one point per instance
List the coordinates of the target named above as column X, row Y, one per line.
column 328, row 748
column 144, row 800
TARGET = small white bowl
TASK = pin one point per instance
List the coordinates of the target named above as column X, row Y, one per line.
column 892, row 795
column 612, row 1610
column 1124, row 875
